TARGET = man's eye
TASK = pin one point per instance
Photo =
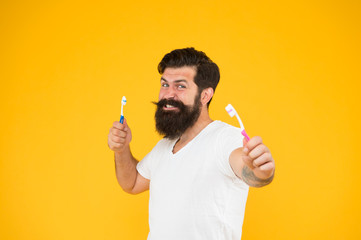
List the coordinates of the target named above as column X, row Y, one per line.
column 164, row 85
column 181, row 86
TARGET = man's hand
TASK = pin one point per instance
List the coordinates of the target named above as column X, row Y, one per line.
column 253, row 163
column 258, row 158
column 125, row 164
column 119, row 136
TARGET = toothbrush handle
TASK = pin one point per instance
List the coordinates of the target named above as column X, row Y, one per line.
column 245, row 134
column 121, row 119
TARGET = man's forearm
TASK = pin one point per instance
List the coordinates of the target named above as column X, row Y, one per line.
column 125, row 169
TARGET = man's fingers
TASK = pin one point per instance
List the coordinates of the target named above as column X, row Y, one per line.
column 116, row 146
column 117, row 132
column 117, row 139
column 114, row 131
column 263, row 159
column 268, row 166
column 252, row 143
column 119, row 136
column 118, row 125
column 258, row 151
column 115, row 143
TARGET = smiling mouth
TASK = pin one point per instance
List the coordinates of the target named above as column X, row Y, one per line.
column 169, row 107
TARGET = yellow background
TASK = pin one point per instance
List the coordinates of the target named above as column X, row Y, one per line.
column 291, row 69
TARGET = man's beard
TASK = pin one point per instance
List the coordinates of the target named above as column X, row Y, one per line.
column 173, row 123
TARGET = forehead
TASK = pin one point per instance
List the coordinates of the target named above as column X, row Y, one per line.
column 182, row 73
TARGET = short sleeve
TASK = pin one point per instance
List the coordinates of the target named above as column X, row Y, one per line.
column 145, row 166
column 229, row 139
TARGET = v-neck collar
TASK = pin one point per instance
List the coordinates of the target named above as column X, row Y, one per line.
column 191, row 141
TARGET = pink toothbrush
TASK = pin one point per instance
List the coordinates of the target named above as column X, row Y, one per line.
column 231, row 111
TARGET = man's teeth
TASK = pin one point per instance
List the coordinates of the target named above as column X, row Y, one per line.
column 169, row 106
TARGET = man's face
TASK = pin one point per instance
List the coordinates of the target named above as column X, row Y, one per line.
column 179, row 103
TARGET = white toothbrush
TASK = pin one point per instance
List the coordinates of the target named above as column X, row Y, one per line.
column 231, row 111
column 124, row 101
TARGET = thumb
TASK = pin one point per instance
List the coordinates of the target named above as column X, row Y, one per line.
column 125, row 125
column 246, row 159
column 245, row 141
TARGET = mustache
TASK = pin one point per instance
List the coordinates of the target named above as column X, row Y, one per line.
column 162, row 103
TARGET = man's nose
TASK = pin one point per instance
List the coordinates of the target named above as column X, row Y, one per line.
column 170, row 93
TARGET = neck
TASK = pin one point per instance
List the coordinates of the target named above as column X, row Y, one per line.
column 200, row 124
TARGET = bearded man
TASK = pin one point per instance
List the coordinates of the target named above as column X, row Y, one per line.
column 199, row 174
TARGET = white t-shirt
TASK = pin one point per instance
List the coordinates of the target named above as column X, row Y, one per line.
column 194, row 193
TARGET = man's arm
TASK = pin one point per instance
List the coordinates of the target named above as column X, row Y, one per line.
column 125, row 164
column 253, row 163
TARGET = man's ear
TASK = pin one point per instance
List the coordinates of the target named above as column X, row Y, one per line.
column 206, row 95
